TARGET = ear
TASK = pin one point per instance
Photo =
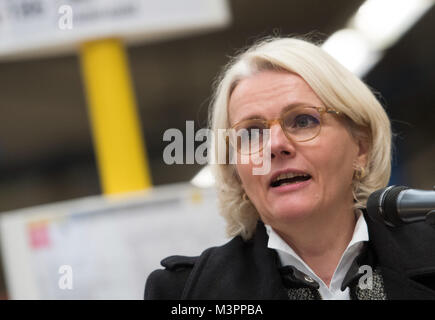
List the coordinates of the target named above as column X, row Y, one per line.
column 363, row 151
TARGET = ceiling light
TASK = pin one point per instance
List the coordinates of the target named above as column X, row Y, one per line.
column 352, row 50
column 383, row 22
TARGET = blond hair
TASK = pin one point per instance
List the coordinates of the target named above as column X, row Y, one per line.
column 336, row 87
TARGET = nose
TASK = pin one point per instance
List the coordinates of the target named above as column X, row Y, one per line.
column 280, row 145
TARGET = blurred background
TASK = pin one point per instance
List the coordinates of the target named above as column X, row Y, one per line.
column 46, row 147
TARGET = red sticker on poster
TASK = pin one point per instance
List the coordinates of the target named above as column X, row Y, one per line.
column 39, row 236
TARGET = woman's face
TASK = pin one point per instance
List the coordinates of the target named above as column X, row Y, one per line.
column 328, row 160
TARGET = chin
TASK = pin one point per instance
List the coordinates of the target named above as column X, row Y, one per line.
column 291, row 212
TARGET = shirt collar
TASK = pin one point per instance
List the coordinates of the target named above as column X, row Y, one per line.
column 288, row 256
column 360, row 234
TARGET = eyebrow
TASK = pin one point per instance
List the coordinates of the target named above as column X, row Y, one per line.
column 293, row 105
column 284, row 109
column 252, row 117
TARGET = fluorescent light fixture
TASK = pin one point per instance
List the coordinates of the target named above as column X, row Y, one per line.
column 204, row 178
column 352, row 50
column 376, row 25
column 383, row 22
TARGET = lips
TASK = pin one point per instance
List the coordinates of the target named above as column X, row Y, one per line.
column 287, row 177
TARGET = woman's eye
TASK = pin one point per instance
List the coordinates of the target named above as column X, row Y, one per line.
column 254, row 132
column 305, row 121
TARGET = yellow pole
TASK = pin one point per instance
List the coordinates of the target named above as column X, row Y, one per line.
column 120, row 151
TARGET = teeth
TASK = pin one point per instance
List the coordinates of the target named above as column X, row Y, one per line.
column 289, row 175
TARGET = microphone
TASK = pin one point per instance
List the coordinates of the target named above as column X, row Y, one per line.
column 398, row 205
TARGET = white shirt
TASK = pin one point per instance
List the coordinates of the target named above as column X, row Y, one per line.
column 288, row 256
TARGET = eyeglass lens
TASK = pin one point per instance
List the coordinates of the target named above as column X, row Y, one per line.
column 299, row 124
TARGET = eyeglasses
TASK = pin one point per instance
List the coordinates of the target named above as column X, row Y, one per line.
column 300, row 123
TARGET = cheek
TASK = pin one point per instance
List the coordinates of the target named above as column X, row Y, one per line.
column 338, row 167
column 244, row 172
column 250, row 183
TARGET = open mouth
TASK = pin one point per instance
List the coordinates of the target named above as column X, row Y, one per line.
column 289, row 178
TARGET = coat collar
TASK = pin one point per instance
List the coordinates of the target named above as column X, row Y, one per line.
column 250, row 270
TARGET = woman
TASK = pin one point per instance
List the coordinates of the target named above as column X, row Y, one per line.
column 300, row 229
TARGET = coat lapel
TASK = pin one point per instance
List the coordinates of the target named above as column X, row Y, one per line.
column 406, row 258
column 238, row 270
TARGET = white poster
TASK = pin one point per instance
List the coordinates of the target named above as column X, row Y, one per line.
column 50, row 26
column 103, row 248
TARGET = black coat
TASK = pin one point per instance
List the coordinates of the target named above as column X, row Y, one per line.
column 249, row 269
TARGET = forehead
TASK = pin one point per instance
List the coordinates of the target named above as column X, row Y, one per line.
column 267, row 93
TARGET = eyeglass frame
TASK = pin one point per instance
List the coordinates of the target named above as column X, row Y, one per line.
column 269, row 123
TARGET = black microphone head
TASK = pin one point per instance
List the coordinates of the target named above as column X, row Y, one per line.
column 374, row 204
column 390, row 206
column 382, row 205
